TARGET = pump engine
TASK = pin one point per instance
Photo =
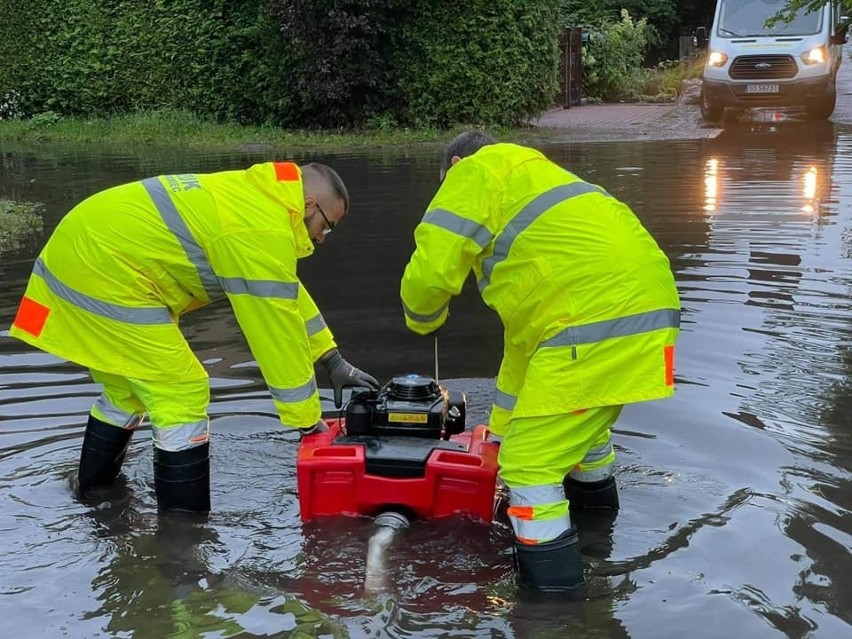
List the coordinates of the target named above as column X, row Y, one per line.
column 407, row 406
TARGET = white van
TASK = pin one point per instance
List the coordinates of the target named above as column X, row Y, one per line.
column 792, row 64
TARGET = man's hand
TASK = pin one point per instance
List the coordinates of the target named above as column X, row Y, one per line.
column 341, row 374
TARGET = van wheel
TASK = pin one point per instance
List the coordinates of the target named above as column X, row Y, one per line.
column 824, row 107
column 709, row 111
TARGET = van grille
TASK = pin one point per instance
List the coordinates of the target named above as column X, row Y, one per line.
column 763, row 67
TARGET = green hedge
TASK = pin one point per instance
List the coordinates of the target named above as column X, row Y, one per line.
column 492, row 61
column 96, row 57
column 292, row 63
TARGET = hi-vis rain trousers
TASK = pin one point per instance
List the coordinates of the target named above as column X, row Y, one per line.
column 121, row 268
column 586, row 297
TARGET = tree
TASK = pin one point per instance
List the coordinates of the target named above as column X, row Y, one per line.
column 792, row 6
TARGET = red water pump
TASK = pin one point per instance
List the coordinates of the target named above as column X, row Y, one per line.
column 403, row 448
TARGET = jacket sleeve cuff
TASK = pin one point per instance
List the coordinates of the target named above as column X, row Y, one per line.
column 423, row 324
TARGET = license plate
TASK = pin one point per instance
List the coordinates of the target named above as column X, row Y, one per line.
column 761, row 88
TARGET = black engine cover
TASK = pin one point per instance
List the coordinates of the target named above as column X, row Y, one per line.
column 407, row 406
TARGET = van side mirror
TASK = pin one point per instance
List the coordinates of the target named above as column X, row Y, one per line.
column 700, row 38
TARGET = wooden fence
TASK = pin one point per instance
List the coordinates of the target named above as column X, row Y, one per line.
column 571, row 67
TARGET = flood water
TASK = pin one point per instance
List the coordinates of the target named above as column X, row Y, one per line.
column 736, row 495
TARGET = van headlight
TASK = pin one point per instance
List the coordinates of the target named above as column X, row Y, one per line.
column 716, row 59
column 814, row 56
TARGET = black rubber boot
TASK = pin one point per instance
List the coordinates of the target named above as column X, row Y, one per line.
column 104, row 447
column 588, row 495
column 554, row 566
column 182, row 479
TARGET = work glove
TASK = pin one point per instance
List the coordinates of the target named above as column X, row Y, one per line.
column 341, row 373
column 319, row 427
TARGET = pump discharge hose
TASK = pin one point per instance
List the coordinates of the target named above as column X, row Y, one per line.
column 388, row 524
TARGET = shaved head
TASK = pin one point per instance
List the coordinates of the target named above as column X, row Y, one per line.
column 326, row 200
column 323, row 182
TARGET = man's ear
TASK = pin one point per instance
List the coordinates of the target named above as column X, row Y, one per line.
column 454, row 159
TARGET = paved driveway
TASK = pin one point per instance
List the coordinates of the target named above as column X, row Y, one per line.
column 615, row 122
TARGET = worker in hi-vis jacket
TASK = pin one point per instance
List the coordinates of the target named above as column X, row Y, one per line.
column 123, row 266
column 590, row 314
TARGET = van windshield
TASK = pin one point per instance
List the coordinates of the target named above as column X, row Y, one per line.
column 741, row 18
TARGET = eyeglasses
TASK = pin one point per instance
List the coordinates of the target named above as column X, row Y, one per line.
column 328, row 223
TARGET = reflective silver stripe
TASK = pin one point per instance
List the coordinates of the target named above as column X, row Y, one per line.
column 176, row 224
column 459, row 225
column 598, row 453
column 293, row 395
column 114, row 415
column 619, row 327
column 417, row 317
column 540, row 530
column 260, row 288
column 526, row 216
column 594, row 456
column 126, row 314
column 315, row 325
column 504, row 400
column 595, row 474
column 536, row 495
column 181, row 437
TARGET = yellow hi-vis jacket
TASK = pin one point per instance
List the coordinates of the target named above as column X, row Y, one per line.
column 122, row 266
column 587, row 298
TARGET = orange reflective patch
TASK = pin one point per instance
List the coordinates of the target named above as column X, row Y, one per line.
column 31, row 316
column 668, row 353
column 579, row 411
column 286, row 172
column 521, row 512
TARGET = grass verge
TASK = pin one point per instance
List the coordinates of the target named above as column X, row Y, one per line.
column 180, row 128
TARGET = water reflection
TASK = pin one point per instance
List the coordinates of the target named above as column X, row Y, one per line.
column 810, row 186
column 783, row 204
column 736, row 492
column 711, row 184
column 770, row 166
column 158, row 582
